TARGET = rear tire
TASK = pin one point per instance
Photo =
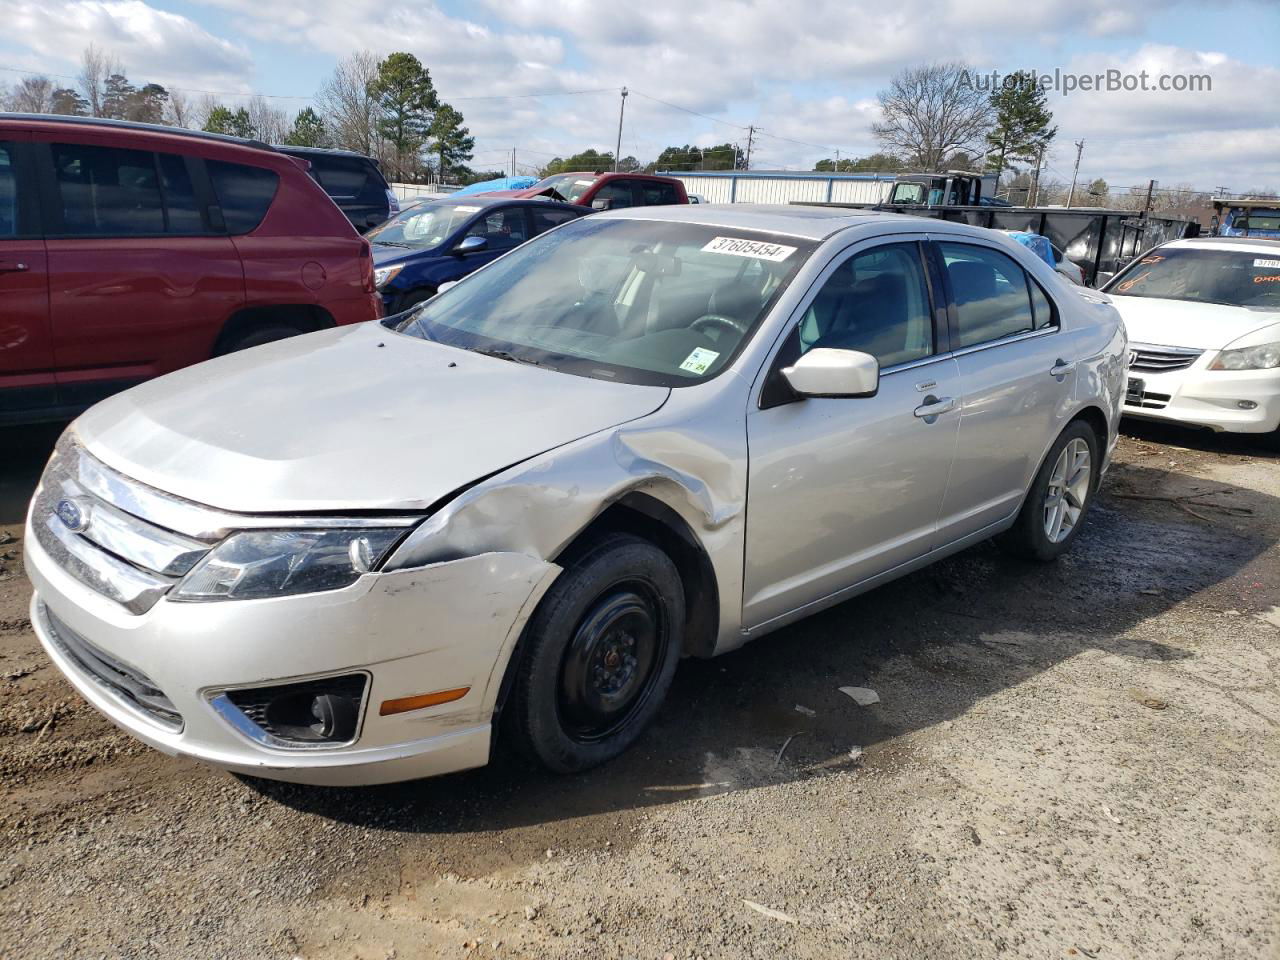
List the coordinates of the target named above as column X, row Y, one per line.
column 598, row 655
column 267, row 333
column 1058, row 502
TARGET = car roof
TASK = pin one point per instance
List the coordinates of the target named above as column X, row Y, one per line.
column 323, row 151
column 808, row 222
column 103, row 122
column 1256, row 244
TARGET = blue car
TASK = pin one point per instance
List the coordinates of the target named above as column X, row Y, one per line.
column 439, row 241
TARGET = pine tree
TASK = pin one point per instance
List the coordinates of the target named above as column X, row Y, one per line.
column 406, row 102
column 308, row 130
column 1022, row 119
column 451, row 141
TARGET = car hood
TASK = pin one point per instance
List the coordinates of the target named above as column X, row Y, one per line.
column 354, row 418
column 1178, row 323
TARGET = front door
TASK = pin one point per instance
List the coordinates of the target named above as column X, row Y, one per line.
column 26, row 343
column 843, row 489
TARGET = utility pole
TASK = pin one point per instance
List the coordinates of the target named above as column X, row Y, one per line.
column 1151, row 186
column 837, row 169
column 1035, row 180
column 617, row 154
column 1075, row 173
column 751, row 133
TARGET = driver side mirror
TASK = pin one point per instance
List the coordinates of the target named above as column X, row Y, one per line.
column 832, row 372
column 471, row 245
column 604, row 203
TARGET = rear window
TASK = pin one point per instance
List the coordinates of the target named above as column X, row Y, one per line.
column 244, row 193
column 341, row 179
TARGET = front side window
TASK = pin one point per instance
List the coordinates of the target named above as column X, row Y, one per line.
column 503, row 229
column 877, row 301
column 108, row 192
column 8, row 193
column 244, row 192
column 617, row 192
column 624, row 300
column 1239, row 278
column 993, row 295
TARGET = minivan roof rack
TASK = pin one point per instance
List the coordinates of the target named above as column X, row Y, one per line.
column 135, row 125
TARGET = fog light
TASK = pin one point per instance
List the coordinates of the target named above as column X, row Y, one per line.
column 1246, row 405
column 312, row 713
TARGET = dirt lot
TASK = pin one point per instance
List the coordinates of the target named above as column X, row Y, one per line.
column 1078, row 760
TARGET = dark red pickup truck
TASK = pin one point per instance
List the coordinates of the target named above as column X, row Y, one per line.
column 605, row 191
column 129, row 250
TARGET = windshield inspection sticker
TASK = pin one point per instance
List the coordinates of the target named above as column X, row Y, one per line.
column 462, row 209
column 1268, row 264
column 756, row 249
column 699, row 361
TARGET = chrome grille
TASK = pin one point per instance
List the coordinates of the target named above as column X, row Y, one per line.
column 1149, row 401
column 1149, row 359
column 126, row 683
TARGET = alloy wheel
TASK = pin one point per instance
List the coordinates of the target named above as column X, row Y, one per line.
column 1068, row 490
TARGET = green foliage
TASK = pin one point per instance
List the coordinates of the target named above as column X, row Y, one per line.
column 1099, row 188
column 724, row 156
column 588, row 159
column 308, row 130
column 69, row 103
column 406, row 101
column 234, row 123
column 1022, row 122
column 450, row 140
column 121, row 100
column 466, row 176
column 876, row 163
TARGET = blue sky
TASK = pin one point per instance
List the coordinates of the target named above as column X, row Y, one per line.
column 806, row 73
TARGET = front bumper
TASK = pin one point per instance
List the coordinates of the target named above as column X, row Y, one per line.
column 1210, row 398
column 443, row 626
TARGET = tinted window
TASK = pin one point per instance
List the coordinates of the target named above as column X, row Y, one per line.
column 243, row 192
column 1041, row 307
column 107, row 191
column 341, row 179
column 182, row 213
column 8, row 193
column 877, row 301
column 544, row 218
column 503, row 229
column 618, row 193
column 991, row 293
column 655, row 194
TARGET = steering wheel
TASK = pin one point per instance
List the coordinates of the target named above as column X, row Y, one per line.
column 719, row 320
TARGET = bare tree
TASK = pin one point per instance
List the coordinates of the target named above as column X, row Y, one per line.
column 179, row 111
column 270, row 125
column 33, row 94
column 199, row 112
column 349, row 110
column 931, row 113
column 95, row 66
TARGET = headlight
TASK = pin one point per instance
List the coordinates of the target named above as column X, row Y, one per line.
column 277, row 563
column 1262, row 357
column 384, row 275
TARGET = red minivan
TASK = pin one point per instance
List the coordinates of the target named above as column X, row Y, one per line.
column 130, row 250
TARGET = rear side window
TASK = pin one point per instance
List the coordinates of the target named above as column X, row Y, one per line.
column 341, row 179
column 656, row 194
column 992, row 294
column 503, row 228
column 617, row 192
column 244, row 193
column 181, row 211
column 108, row 191
column 8, row 193
column 544, row 218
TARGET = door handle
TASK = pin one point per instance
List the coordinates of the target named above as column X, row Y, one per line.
column 1061, row 368
column 13, row 266
column 933, row 406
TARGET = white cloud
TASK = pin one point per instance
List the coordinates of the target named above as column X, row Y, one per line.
column 154, row 45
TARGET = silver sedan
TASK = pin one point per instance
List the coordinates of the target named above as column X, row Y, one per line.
column 361, row 555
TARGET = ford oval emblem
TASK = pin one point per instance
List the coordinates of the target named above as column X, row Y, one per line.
column 74, row 514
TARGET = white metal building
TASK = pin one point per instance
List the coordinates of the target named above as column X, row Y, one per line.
column 784, row 186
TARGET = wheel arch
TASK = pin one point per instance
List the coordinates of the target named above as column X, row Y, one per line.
column 306, row 317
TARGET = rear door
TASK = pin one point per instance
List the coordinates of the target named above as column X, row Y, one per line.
column 655, row 193
column 140, row 284
column 27, row 380
column 1017, row 376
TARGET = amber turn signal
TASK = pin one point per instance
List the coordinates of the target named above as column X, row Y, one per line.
column 405, row 704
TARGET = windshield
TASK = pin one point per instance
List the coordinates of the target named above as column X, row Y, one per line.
column 569, row 186
column 424, row 226
column 635, row 301
column 908, row 193
column 1234, row 277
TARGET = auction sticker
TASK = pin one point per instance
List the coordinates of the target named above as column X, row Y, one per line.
column 699, row 361
column 462, row 209
column 1267, row 264
column 756, row 249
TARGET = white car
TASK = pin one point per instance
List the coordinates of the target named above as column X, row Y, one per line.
column 1068, row 268
column 1203, row 318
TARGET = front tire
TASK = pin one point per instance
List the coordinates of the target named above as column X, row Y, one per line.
column 598, row 655
column 1060, row 497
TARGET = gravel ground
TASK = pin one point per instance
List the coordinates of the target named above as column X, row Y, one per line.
column 1078, row 760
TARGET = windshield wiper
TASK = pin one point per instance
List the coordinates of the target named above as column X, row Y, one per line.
column 508, row 355
column 394, row 243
